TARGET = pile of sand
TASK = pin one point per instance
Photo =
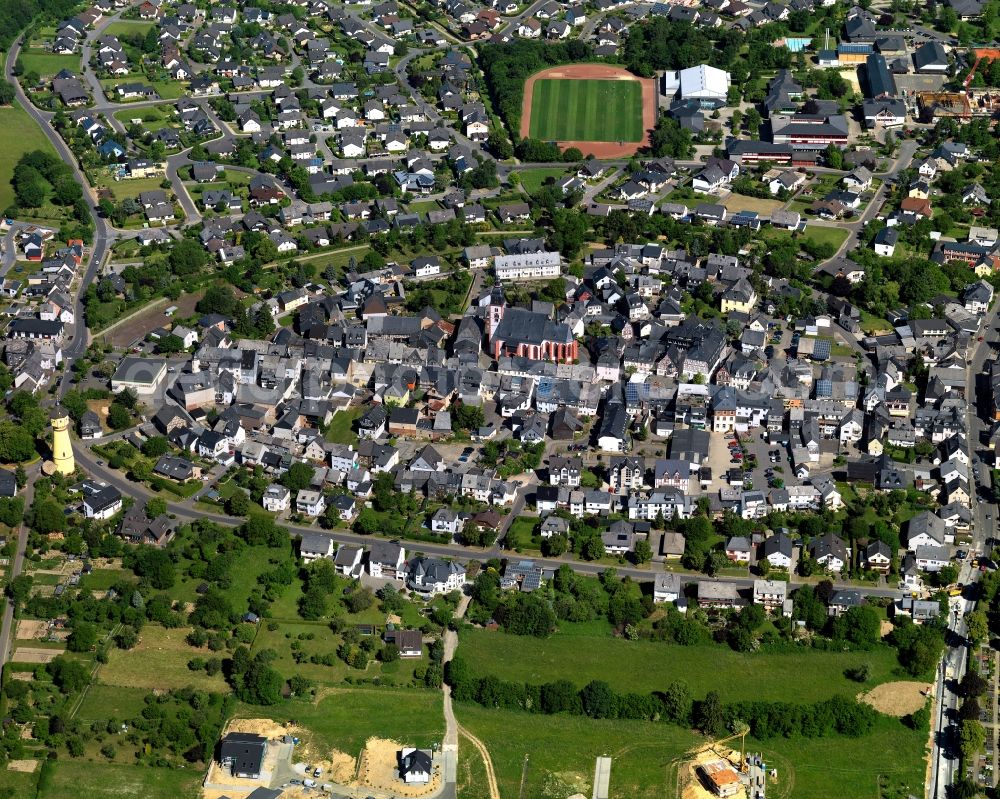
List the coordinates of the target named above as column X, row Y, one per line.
column 266, row 727
column 897, row 698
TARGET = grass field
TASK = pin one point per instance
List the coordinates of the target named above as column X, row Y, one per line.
column 741, row 202
column 826, row 235
column 153, row 117
column 18, row 135
column 108, row 701
column 471, row 774
column 804, row 676
column 166, row 89
column 587, row 110
column 533, row 179
column 169, row 651
column 341, row 427
column 102, row 579
column 345, row 718
column 47, row 64
column 563, row 749
column 132, row 188
column 126, row 27
column 71, row 779
column 845, row 768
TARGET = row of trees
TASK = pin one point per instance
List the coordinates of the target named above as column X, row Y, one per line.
column 598, row 700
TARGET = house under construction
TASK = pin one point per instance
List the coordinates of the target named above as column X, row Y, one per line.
column 957, row 105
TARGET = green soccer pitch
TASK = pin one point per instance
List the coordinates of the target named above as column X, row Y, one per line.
column 569, row 109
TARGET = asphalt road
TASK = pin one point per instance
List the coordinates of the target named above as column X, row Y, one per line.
column 945, row 756
column 187, row 512
column 76, row 335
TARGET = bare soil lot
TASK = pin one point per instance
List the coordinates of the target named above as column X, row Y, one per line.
column 150, row 318
column 897, row 698
column 28, row 655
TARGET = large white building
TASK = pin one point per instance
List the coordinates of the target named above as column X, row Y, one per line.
column 529, row 266
column 707, row 86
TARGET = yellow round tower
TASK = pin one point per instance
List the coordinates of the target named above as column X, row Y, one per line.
column 62, row 447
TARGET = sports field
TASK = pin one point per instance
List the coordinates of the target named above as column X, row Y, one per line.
column 587, row 110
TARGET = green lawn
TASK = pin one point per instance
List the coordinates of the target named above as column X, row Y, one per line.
column 826, row 235
column 533, row 179
column 804, row 676
column 345, row 718
column 586, row 110
column 166, row 89
column 105, row 701
column 133, row 188
column 519, row 535
column 341, row 427
column 74, row 779
column 102, row 579
column 18, row 135
column 159, row 661
column 47, row 64
column 153, row 117
column 646, row 756
column 128, row 28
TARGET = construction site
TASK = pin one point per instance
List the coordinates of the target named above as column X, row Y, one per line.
column 958, row 105
column 967, row 103
column 718, row 770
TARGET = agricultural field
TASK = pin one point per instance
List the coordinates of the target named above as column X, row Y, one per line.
column 159, row 660
column 805, row 676
column 18, row 135
column 587, row 110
